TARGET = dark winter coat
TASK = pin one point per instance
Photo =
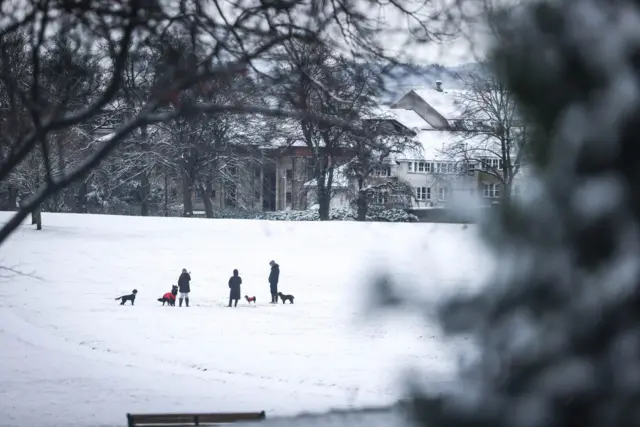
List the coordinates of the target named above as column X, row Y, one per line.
column 234, row 285
column 183, row 282
column 274, row 276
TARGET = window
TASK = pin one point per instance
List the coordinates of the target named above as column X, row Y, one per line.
column 444, row 167
column 492, row 164
column 381, row 198
column 213, row 193
column 289, row 173
column 491, row 191
column 420, row 167
column 198, row 195
column 233, row 171
column 423, row 193
column 382, row 171
column 289, row 197
column 310, row 169
column 443, row 193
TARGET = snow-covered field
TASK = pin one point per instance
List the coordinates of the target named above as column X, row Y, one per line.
column 70, row 354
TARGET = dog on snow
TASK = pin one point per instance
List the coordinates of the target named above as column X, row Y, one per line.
column 286, row 298
column 131, row 297
column 170, row 297
column 250, row 299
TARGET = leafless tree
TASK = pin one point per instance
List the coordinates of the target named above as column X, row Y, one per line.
column 208, row 151
column 64, row 75
column 315, row 79
column 232, row 34
column 490, row 138
column 370, row 168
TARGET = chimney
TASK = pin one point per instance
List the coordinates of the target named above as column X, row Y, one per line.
column 439, row 85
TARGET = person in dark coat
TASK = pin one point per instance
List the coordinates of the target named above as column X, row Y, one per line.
column 274, row 276
column 184, row 286
column 234, row 288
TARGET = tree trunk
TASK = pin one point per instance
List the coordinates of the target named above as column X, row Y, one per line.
column 36, row 218
column 506, row 192
column 324, row 181
column 166, row 193
column 145, row 185
column 362, row 202
column 324, row 201
column 144, row 192
column 187, row 190
column 208, row 206
column 81, row 199
column 13, row 198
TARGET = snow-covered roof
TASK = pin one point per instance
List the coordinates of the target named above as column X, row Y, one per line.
column 446, row 103
column 407, row 118
column 434, row 144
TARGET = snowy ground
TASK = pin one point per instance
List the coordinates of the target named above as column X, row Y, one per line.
column 71, row 354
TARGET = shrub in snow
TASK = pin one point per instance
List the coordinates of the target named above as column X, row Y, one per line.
column 558, row 325
column 390, row 215
column 343, row 214
column 235, row 213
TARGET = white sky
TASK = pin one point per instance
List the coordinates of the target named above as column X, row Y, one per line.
column 468, row 45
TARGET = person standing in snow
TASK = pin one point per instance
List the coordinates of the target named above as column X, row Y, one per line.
column 274, row 276
column 184, row 286
column 234, row 288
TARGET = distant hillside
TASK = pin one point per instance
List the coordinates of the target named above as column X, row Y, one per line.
column 401, row 81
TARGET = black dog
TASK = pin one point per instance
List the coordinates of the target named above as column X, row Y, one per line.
column 286, row 298
column 170, row 297
column 131, row 297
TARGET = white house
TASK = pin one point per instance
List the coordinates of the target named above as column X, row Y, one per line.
column 434, row 171
column 433, row 174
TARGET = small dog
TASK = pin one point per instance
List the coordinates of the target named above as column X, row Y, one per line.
column 250, row 299
column 169, row 297
column 286, row 298
column 131, row 297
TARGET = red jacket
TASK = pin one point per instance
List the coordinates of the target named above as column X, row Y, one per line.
column 169, row 296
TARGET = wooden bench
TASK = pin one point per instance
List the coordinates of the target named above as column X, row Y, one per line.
column 175, row 420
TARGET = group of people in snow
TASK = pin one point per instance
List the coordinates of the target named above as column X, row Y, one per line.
column 184, row 285
column 235, row 281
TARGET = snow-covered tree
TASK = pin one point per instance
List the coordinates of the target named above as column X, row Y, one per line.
column 312, row 78
column 62, row 75
column 235, row 37
column 372, row 157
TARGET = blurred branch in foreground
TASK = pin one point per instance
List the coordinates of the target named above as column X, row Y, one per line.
column 558, row 325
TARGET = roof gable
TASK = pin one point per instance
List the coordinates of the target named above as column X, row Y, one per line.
column 413, row 101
